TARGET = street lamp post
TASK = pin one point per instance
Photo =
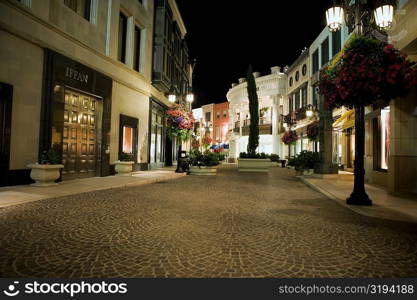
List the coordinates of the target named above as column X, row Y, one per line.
column 363, row 17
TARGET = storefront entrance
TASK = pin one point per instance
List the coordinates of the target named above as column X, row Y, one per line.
column 76, row 116
column 79, row 138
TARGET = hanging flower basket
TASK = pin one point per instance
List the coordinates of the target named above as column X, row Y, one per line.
column 313, row 132
column 180, row 123
column 369, row 71
column 289, row 137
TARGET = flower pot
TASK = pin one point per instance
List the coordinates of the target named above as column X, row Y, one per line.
column 253, row 165
column 124, row 168
column 203, row 170
column 44, row 175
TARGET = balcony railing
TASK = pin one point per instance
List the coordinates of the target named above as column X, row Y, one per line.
column 265, row 126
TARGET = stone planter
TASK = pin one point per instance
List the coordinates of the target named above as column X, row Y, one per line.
column 124, row 168
column 44, row 175
column 203, row 171
column 308, row 172
column 253, row 165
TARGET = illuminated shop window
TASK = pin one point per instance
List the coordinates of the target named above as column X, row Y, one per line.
column 127, row 139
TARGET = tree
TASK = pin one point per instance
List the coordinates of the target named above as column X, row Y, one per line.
column 254, row 113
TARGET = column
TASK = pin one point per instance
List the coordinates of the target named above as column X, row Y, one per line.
column 326, row 165
column 275, row 125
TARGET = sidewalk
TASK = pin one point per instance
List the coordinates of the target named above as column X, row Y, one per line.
column 13, row 195
column 338, row 187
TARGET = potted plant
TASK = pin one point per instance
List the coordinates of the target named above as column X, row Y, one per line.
column 275, row 159
column 124, row 166
column 304, row 162
column 253, row 161
column 203, row 163
column 47, row 170
column 258, row 162
column 291, row 163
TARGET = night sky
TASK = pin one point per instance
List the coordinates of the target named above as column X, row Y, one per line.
column 225, row 36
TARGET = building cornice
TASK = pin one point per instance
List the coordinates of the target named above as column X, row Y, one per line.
column 178, row 17
column 37, row 42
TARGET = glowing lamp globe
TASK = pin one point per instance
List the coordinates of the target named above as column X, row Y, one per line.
column 334, row 18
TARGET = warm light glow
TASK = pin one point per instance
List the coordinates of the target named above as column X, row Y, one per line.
column 309, row 113
column 190, row 97
column 384, row 16
column 172, row 98
column 334, row 17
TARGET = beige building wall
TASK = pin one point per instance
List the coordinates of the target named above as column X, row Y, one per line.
column 133, row 104
column 23, row 70
column 26, row 30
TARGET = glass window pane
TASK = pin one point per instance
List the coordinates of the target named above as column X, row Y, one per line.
column 158, row 143
column 385, row 138
column 153, row 143
column 127, row 139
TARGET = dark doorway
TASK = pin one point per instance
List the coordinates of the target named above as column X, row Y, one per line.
column 6, row 98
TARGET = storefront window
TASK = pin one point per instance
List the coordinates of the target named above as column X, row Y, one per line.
column 157, row 139
column 127, row 139
column 128, row 131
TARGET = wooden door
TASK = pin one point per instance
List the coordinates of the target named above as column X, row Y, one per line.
column 79, row 148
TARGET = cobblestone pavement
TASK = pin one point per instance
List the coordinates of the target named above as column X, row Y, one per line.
column 230, row 225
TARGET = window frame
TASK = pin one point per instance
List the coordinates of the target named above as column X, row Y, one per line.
column 128, row 121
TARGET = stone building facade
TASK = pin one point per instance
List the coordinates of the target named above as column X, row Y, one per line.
column 88, row 78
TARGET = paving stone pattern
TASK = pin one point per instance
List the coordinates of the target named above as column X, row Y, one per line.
column 230, row 225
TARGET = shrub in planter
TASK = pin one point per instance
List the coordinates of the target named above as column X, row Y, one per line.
column 291, row 162
column 124, row 166
column 274, row 158
column 306, row 160
column 47, row 170
column 206, row 159
column 254, row 155
column 203, row 163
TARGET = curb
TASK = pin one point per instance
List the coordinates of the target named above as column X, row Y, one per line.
column 357, row 209
column 101, row 188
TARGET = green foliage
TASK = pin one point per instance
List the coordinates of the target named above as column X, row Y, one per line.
column 125, row 157
column 263, row 111
column 222, row 156
column 291, row 162
column 254, row 155
column 274, row 157
column 306, row 160
column 208, row 159
column 254, row 112
column 50, row 157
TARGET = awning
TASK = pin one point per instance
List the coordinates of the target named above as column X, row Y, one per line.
column 347, row 120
